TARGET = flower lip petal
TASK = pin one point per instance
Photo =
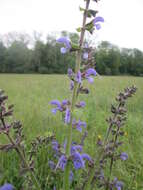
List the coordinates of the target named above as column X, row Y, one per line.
column 78, row 161
column 67, row 116
column 90, row 71
column 55, row 102
column 85, row 55
column 90, row 80
column 98, row 19
column 7, row 186
column 64, row 102
column 124, row 156
column 78, row 77
column 63, row 50
column 65, row 41
column 86, row 156
column 98, row 26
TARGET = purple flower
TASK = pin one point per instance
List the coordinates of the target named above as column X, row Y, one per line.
column 88, row 74
column 81, row 104
column 7, row 186
column 90, row 71
column 52, row 165
column 67, row 44
column 62, row 162
column 67, row 116
column 86, row 45
column 90, row 79
column 78, row 77
column 85, row 55
column 70, row 72
column 78, row 161
column 59, row 106
column 86, row 156
column 55, row 102
column 65, row 102
column 124, row 156
column 71, row 85
column 76, row 148
column 96, row 22
column 55, row 146
column 78, row 125
column 118, row 184
column 71, row 176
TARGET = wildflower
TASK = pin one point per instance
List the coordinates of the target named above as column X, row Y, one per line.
column 71, row 85
column 99, row 137
column 96, row 22
column 78, row 125
column 78, row 77
column 71, row 176
column 88, row 74
column 62, row 162
column 81, row 104
column 78, row 161
column 55, row 146
column 59, row 106
column 124, row 156
column 86, row 156
column 7, row 186
column 85, row 55
column 67, row 44
column 52, row 165
column 70, row 73
column 67, row 116
column 76, row 148
column 118, row 184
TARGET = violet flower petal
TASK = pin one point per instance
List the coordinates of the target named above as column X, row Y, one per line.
column 85, row 55
column 7, row 186
column 98, row 19
column 63, row 50
column 67, row 116
column 78, row 77
column 124, row 156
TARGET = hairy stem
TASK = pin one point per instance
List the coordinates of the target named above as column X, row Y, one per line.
column 74, row 98
column 20, row 153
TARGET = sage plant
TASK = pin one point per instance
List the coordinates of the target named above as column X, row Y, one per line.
column 16, row 142
column 72, row 155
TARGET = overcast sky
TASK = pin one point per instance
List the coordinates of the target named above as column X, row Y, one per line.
column 123, row 18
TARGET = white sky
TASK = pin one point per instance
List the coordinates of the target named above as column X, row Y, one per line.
column 123, row 18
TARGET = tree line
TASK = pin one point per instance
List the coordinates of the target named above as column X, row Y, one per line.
column 19, row 53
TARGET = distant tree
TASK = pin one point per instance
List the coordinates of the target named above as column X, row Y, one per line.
column 2, row 57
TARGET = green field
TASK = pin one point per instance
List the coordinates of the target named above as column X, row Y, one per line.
column 31, row 95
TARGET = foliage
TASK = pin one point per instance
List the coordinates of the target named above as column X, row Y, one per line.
column 44, row 57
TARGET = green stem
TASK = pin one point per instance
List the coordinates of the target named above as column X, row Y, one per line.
column 73, row 101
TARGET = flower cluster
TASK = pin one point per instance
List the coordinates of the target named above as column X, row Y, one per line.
column 77, row 157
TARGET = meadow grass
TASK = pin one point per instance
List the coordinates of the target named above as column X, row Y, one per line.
column 31, row 95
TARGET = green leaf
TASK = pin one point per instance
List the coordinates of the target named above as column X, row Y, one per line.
column 75, row 47
column 92, row 13
column 78, row 29
column 89, row 27
column 81, row 9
